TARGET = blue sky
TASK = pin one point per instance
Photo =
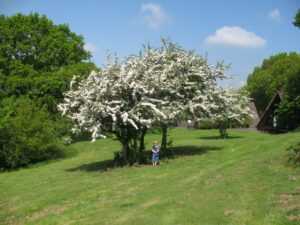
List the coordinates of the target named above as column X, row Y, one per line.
column 242, row 33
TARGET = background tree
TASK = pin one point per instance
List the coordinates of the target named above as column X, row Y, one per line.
column 289, row 109
column 232, row 111
column 37, row 61
column 297, row 19
column 34, row 42
column 33, row 52
column 272, row 76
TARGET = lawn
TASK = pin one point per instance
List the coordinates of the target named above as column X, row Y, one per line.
column 242, row 180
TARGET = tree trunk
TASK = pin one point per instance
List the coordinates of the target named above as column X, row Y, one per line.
column 125, row 149
column 223, row 130
column 142, row 139
column 124, row 137
column 141, row 156
column 164, row 150
column 133, row 145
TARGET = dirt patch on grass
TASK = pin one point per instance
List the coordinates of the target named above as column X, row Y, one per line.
column 10, row 220
column 54, row 210
column 290, row 203
column 229, row 212
column 191, row 179
column 123, row 218
column 292, row 208
column 285, row 198
column 293, row 218
column 150, row 203
column 218, row 178
column 38, row 215
column 292, row 178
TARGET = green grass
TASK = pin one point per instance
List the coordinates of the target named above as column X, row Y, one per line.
column 241, row 180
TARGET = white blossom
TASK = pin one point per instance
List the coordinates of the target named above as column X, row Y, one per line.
column 158, row 85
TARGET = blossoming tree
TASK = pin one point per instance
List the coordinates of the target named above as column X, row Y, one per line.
column 156, row 87
column 179, row 82
column 232, row 109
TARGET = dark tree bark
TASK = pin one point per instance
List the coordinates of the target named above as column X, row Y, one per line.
column 141, row 156
column 164, row 148
column 133, row 145
column 142, row 139
column 223, row 129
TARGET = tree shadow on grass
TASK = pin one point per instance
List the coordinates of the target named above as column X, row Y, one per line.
column 193, row 150
column 101, row 166
column 219, row 138
column 108, row 165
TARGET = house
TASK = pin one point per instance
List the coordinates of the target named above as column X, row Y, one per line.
column 268, row 120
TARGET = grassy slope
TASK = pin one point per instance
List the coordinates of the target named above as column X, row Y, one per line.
column 242, row 180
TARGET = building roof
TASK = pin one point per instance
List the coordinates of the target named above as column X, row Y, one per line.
column 277, row 95
column 254, row 112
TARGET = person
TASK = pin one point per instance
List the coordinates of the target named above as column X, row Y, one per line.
column 155, row 150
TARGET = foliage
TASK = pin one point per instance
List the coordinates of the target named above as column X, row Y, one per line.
column 205, row 124
column 297, row 19
column 38, row 58
column 37, row 44
column 28, row 136
column 288, row 113
column 272, row 76
column 289, row 109
column 37, row 61
column 45, row 87
column 232, row 111
column 156, row 87
column 294, row 153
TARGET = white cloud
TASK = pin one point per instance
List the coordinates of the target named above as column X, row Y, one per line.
column 274, row 15
column 153, row 15
column 232, row 83
column 91, row 48
column 236, row 37
column 239, row 83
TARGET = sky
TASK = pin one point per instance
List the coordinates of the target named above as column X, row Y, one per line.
column 240, row 33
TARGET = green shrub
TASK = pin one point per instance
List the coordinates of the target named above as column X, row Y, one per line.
column 134, row 156
column 120, row 159
column 294, row 153
column 28, row 136
column 205, row 125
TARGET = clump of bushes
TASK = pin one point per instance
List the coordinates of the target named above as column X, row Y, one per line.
column 294, row 153
column 29, row 135
column 132, row 158
column 205, row 125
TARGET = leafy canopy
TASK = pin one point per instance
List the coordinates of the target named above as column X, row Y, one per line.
column 37, row 44
column 37, row 62
column 39, row 58
column 273, row 75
